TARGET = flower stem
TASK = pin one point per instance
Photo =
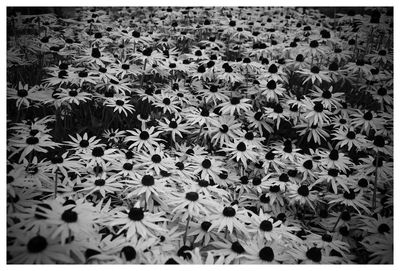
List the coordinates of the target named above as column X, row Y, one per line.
column 186, row 229
column 56, row 184
column 375, row 182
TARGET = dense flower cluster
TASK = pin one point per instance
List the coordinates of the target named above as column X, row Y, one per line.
column 200, row 135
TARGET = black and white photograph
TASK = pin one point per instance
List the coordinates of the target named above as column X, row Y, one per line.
column 191, row 135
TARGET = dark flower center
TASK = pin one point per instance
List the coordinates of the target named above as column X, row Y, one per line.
column 205, row 225
column 127, row 166
column 62, row 74
column 235, row 100
column 98, row 152
column 244, row 180
column 270, row 155
column 363, row 182
column 327, row 238
column 32, row 140
column 273, row 68
column 37, row 244
column 349, row 195
column 360, row 62
column 241, row 147
column 237, row 248
column 125, row 66
column 278, row 109
column 284, row 178
column 129, row 253
column 166, row 101
column 102, row 70
column 379, row 141
column 315, row 69
column 327, row 94
column 136, row 214
column 144, row 135
column 148, row 180
column 69, row 216
column 120, row 102
column 314, row 44
column 156, row 158
column 229, row 212
column 383, row 228
column 258, row 116
column 333, row 66
column 201, row 69
column 368, row 116
column 249, row 136
column 264, row 198
column 224, row 128
column 266, row 225
column 351, row 135
column 180, row 166
column 214, row 88
column 274, row 189
column 256, row 181
column 73, row 93
column 99, row 182
column 303, row 191
column 136, row 34
column 83, row 74
column 205, row 112
column 57, row 159
column 308, row 164
column 271, row 85
column 334, row 155
column 192, row 196
column 314, row 254
column 300, row 58
column 206, row 163
column 266, row 254
column 22, row 93
column 96, row 53
column 203, row 183
column 333, row 172
column 382, row 52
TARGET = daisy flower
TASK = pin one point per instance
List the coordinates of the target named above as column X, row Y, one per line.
column 350, row 199
column 316, row 113
column 155, row 159
column 147, row 138
column 120, row 104
column 175, row 126
column 227, row 130
column 82, row 144
column 328, row 98
column 146, row 187
column 37, row 249
column 191, row 204
column 349, row 138
column 100, row 184
column 137, row 222
column 70, row 219
column 99, row 156
column 241, row 151
column 202, row 233
column 229, row 218
column 235, row 106
column 207, row 167
column 261, row 252
column 303, row 195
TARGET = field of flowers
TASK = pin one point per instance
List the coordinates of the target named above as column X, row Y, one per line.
column 236, row 135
